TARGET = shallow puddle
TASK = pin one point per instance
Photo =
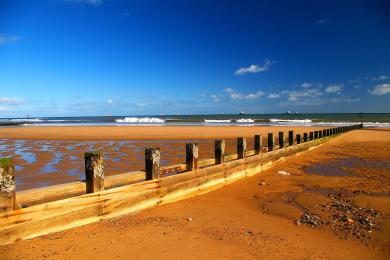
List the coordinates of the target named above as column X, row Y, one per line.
column 65, row 159
column 344, row 167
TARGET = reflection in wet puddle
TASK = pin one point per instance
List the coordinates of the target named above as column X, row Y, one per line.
column 66, row 158
column 50, row 167
column 26, row 156
column 344, row 167
column 18, row 167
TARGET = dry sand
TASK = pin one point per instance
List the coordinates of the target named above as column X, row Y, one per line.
column 254, row 218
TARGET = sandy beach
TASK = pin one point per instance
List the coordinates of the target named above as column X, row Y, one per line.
column 111, row 133
column 260, row 217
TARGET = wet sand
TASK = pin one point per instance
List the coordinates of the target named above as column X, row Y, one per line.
column 344, row 184
column 53, row 155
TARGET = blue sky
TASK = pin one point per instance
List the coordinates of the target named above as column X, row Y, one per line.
column 102, row 57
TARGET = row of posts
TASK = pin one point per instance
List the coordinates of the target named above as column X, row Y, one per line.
column 94, row 169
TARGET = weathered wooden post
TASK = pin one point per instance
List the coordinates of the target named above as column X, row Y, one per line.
column 281, row 140
column 324, row 133
column 192, row 156
column 304, row 137
column 298, row 138
column 219, row 151
column 315, row 134
column 311, row 136
column 7, row 185
column 241, row 147
column 290, row 138
column 271, row 141
column 258, row 144
column 94, row 171
column 328, row 132
column 320, row 134
column 152, row 163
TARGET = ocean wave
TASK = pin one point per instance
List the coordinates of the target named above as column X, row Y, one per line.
column 26, row 120
column 217, row 121
column 297, row 121
column 141, row 120
column 245, row 120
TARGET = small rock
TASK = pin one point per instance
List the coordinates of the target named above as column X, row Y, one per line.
column 262, row 183
column 189, row 219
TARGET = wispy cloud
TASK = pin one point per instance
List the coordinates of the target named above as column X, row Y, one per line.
column 336, row 88
column 238, row 96
column 273, row 95
column 126, row 13
column 11, row 101
column 323, row 21
column 379, row 78
column 90, row 2
column 8, row 103
column 380, row 90
column 5, row 38
column 306, row 85
column 216, row 98
column 254, row 68
column 310, row 94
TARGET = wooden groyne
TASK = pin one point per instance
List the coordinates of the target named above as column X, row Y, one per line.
column 36, row 212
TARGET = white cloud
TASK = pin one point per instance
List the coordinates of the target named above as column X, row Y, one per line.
column 4, row 38
column 323, row 21
column 308, row 96
column 216, row 98
column 380, row 90
column 273, row 95
column 238, row 96
column 110, row 101
column 348, row 100
column 90, row 2
column 379, row 78
column 11, row 101
column 7, row 103
column 306, row 85
column 357, row 86
column 336, row 88
column 255, row 68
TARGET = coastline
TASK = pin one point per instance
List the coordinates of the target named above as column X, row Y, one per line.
column 253, row 218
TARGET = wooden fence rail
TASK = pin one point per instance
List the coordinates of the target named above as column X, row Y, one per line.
column 60, row 207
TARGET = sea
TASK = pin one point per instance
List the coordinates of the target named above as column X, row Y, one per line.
column 285, row 119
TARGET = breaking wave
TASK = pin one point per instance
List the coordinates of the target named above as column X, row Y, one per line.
column 217, row 121
column 245, row 120
column 141, row 120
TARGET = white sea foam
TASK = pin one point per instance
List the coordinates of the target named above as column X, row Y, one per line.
column 292, row 121
column 26, row 120
column 216, row 121
column 141, row 120
column 245, row 120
